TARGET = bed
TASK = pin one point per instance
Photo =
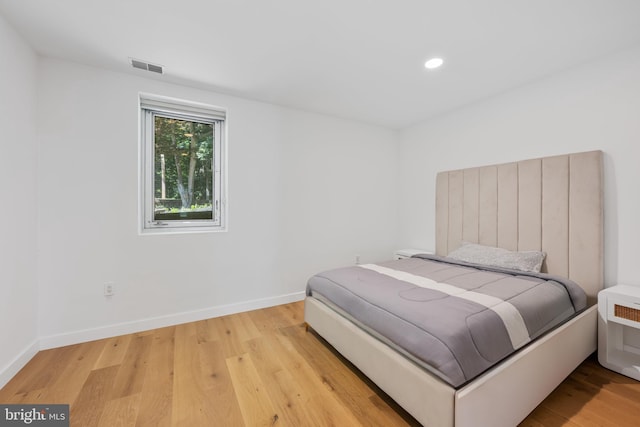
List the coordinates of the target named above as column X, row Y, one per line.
column 552, row 204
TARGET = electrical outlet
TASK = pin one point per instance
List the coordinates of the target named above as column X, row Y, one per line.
column 109, row 289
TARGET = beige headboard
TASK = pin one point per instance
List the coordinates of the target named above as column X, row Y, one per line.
column 554, row 204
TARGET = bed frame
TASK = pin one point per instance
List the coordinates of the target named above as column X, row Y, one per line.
column 554, row 204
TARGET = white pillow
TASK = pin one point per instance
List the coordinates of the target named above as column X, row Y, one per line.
column 498, row 257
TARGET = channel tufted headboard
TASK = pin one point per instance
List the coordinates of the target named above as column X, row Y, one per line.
column 553, row 204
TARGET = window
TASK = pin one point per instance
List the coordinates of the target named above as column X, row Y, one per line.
column 182, row 161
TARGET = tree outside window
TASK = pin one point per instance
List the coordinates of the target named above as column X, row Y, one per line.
column 183, row 158
column 182, row 179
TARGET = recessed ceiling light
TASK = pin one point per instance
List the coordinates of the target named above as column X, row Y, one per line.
column 433, row 63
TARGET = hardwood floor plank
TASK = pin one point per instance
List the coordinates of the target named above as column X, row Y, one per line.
column 192, row 375
column 290, row 399
column 313, row 348
column 294, row 313
column 206, row 331
column 243, row 324
column 351, row 387
column 592, row 395
column 229, row 338
column 392, row 411
column 122, row 412
column 43, row 369
column 253, row 397
column 132, row 370
column 193, row 403
column 219, row 383
column 78, row 368
column 331, row 411
column 87, row 409
column 626, row 412
column 267, row 320
column 354, row 393
column 592, row 373
column 272, row 319
column 542, row 416
column 31, row 396
column 114, row 351
column 157, row 389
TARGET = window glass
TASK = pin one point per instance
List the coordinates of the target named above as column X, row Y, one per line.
column 183, row 160
column 182, row 178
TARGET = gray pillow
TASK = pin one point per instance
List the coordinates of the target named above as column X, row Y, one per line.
column 498, row 257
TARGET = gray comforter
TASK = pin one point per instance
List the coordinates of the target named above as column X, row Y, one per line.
column 452, row 318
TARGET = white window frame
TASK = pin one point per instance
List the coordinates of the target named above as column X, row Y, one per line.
column 151, row 106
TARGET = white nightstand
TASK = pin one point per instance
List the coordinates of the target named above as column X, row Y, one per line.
column 619, row 329
column 408, row 253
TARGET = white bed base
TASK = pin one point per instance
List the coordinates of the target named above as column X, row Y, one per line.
column 553, row 204
column 502, row 397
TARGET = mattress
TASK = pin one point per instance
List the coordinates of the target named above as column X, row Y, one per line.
column 454, row 319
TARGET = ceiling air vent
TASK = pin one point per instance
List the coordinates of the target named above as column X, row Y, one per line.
column 136, row 63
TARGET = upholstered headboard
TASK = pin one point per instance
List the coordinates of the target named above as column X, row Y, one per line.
column 553, row 204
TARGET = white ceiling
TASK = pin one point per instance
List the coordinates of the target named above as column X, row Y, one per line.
column 358, row 59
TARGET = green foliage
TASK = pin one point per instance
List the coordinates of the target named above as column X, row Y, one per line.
column 163, row 209
column 186, row 149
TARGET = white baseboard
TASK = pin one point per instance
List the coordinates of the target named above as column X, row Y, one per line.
column 18, row 363
column 85, row 335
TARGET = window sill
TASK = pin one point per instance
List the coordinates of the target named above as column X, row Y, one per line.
column 161, row 231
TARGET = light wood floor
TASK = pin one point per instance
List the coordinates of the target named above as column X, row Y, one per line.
column 256, row 369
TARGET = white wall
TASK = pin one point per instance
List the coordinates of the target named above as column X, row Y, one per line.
column 18, row 218
column 596, row 106
column 306, row 192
